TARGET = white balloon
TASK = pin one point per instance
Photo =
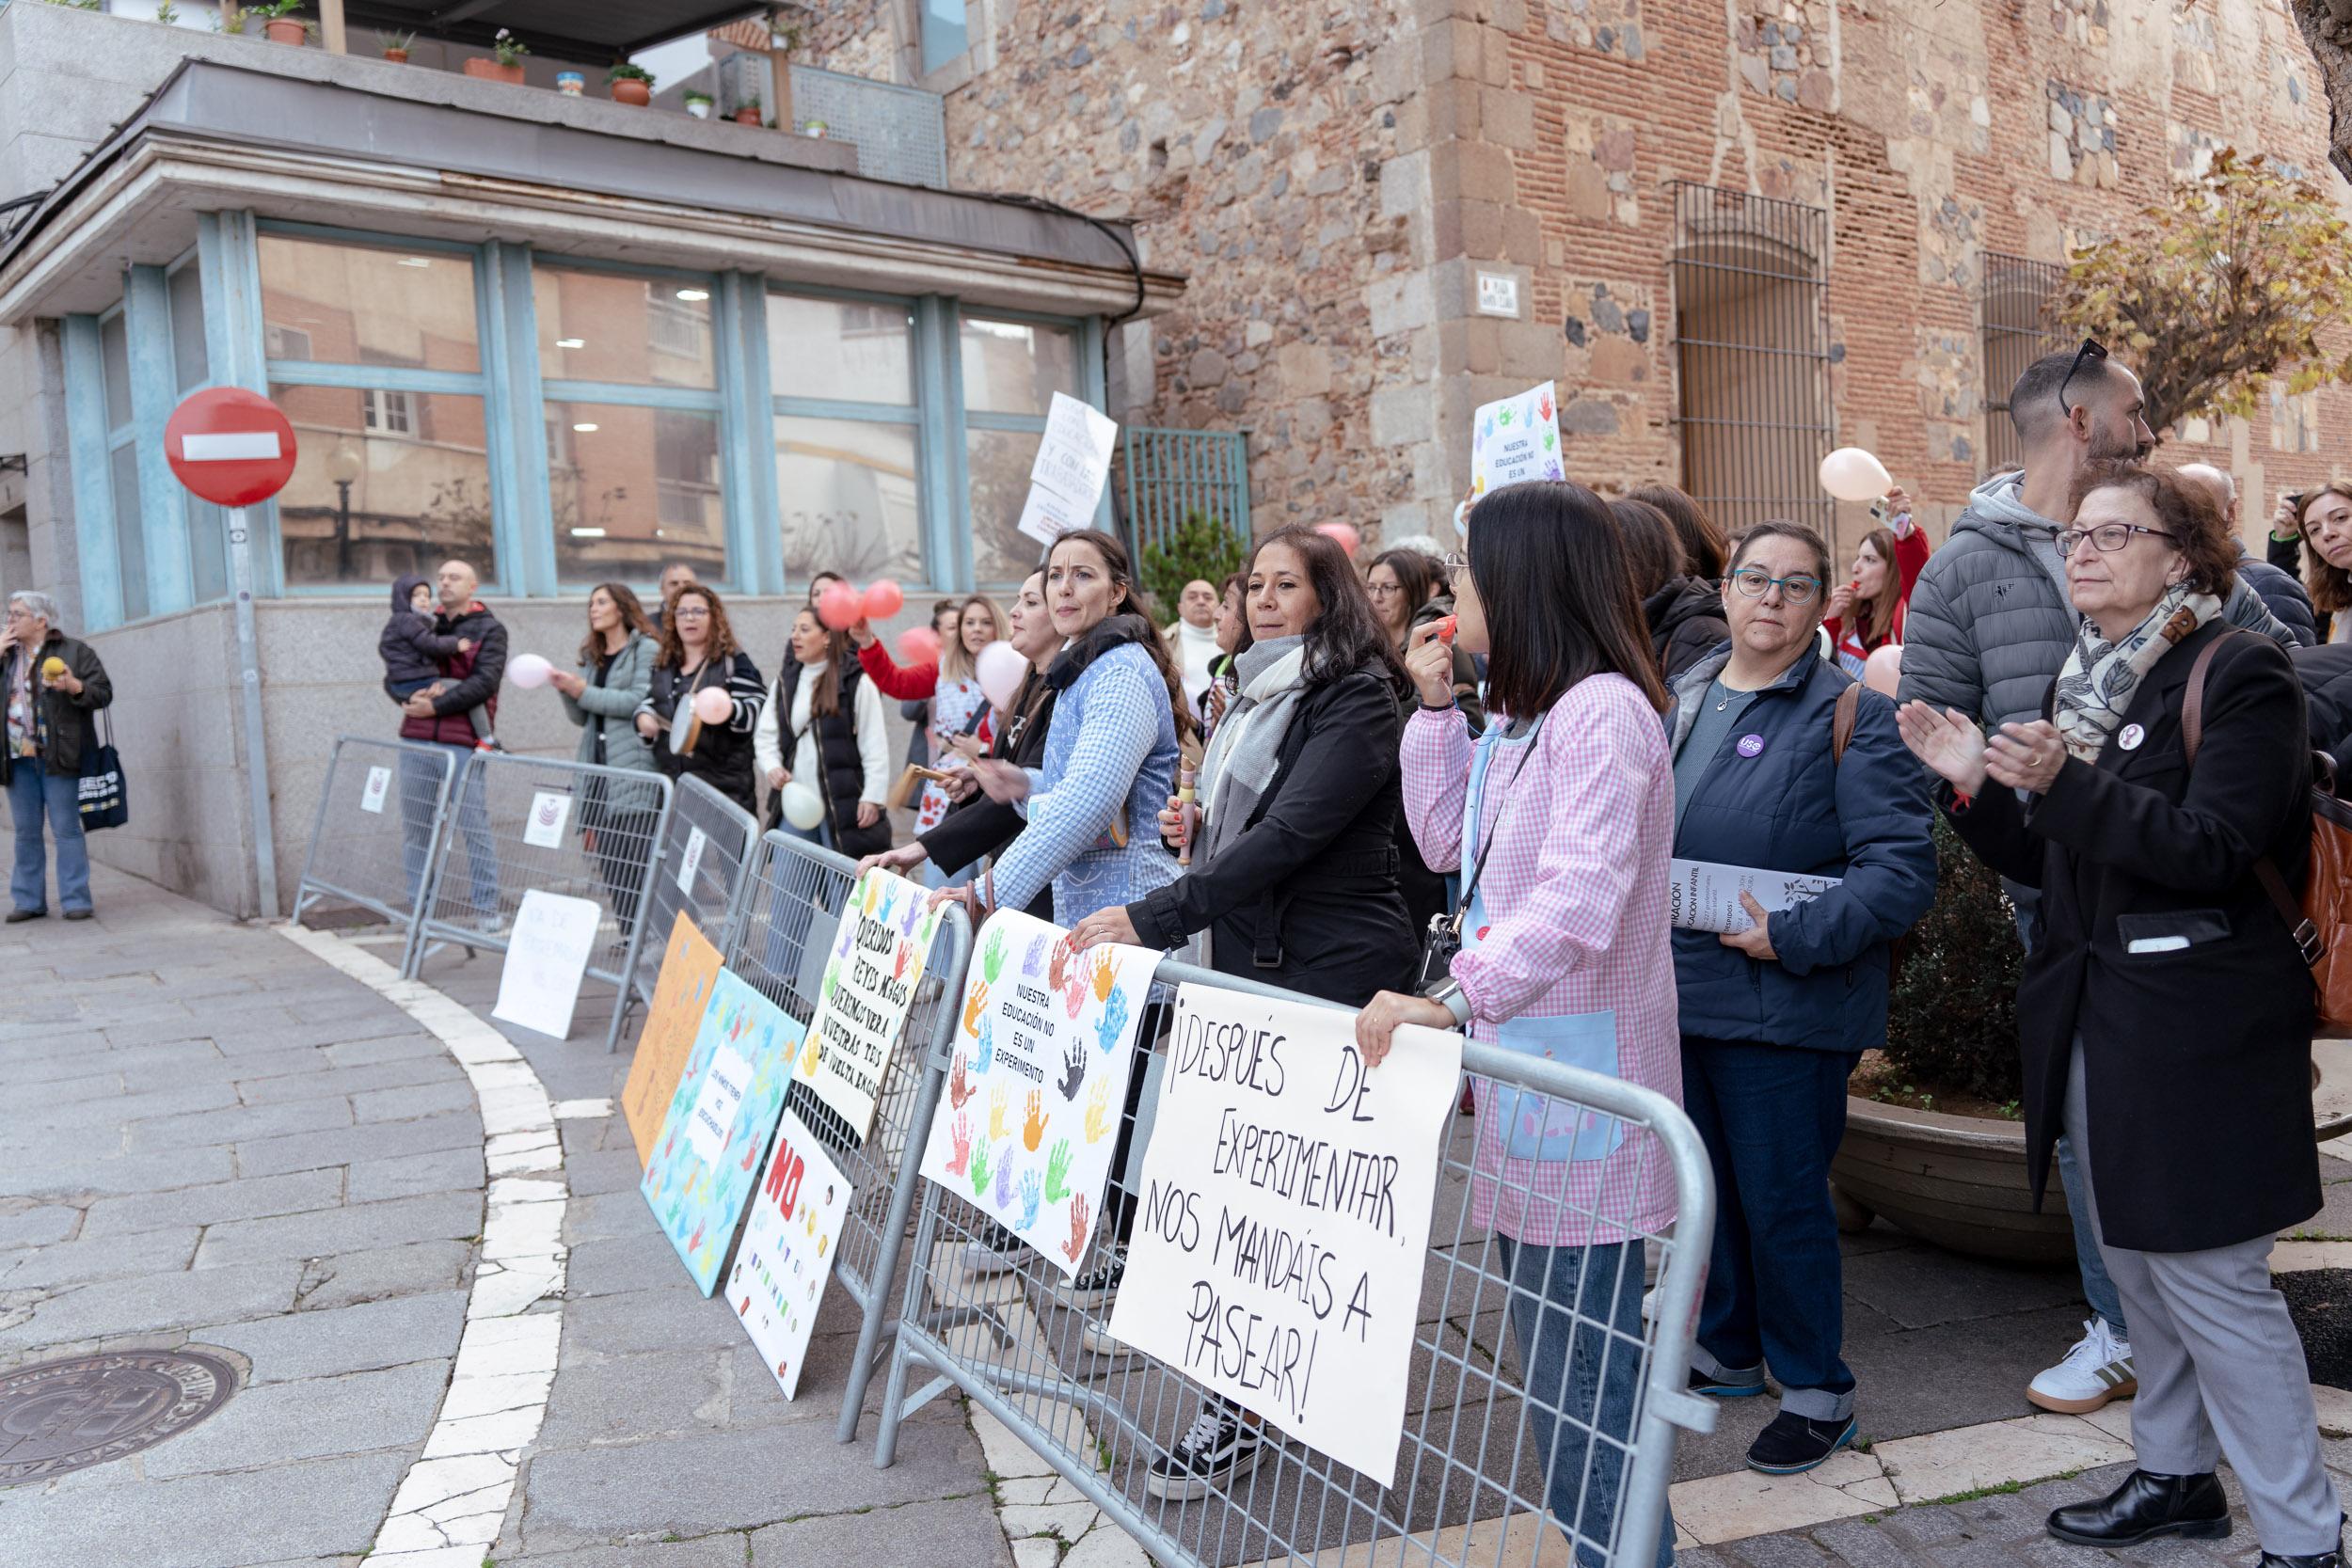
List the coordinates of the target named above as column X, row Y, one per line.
column 1853, row 474
column 1000, row 668
column 802, row 807
column 528, row 669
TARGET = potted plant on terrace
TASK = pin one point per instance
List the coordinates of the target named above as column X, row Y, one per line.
column 698, row 104
column 631, row 84
column 396, row 46
column 747, row 112
column 278, row 22
column 506, row 63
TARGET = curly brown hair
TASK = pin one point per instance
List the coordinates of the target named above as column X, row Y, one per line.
column 723, row 644
column 2184, row 509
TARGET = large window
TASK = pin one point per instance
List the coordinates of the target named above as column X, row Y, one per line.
column 208, row 543
column 380, row 369
column 1011, row 371
column 630, row 364
column 847, row 438
column 122, row 464
column 947, row 32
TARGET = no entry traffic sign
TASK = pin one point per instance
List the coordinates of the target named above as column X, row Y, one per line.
column 229, row 446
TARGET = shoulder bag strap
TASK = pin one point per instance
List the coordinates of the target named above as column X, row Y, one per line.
column 2192, row 733
column 1841, row 722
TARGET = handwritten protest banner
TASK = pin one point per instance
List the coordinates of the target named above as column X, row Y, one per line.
column 718, row 1122
column 877, row 957
column 1515, row 440
column 680, row 993
column 546, row 957
column 1284, row 1216
column 780, row 1271
column 1073, row 462
column 1044, row 1047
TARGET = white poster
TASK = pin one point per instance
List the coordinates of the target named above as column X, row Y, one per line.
column 548, row 809
column 711, row 1124
column 371, row 793
column 1044, row 1047
column 1515, row 440
column 1073, row 463
column 544, row 959
column 1705, row 897
column 883, row 943
column 689, row 860
column 779, row 1276
column 1284, row 1216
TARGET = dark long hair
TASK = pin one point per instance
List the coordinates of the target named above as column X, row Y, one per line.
column 1347, row 634
column 1703, row 548
column 1873, row 618
column 633, row 617
column 1131, row 601
column 824, row 699
column 1550, row 569
column 1653, row 551
column 1415, row 573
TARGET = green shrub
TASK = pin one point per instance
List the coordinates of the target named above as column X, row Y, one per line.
column 1202, row 546
column 1952, row 1028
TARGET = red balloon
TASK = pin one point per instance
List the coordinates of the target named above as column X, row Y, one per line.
column 839, row 606
column 918, row 646
column 883, row 600
column 1342, row 534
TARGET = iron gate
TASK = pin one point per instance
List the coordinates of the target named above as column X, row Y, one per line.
column 2019, row 328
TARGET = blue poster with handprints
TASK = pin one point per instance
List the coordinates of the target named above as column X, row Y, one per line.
column 719, row 1124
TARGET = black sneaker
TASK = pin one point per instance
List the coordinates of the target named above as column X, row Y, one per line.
column 1218, row 1447
column 1792, row 1444
column 1096, row 1286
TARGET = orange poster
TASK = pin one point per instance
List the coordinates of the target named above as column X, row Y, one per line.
column 679, row 996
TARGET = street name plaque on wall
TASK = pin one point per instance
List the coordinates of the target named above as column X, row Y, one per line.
column 68, row 1415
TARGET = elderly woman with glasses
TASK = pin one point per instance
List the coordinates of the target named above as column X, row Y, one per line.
column 2162, row 806
column 56, row 685
column 1784, row 766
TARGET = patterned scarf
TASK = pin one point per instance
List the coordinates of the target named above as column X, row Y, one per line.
column 2097, row 684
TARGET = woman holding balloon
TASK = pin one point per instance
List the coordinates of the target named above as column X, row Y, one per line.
column 823, row 735
column 615, row 675
column 704, row 698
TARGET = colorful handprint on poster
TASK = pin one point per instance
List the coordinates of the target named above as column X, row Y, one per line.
column 1515, row 440
column 878, row 957
column 1044, row 1043
column 778, row 1281
column 728, row 1098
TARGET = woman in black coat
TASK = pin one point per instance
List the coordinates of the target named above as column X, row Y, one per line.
column 2166, row 1014
column 699, row 653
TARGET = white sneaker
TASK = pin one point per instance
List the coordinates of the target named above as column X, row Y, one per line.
column 2097, row 1369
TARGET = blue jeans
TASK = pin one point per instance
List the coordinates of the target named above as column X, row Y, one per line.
column 33, row 793
column 1582, row 1378
column 1772, row 1118
column 470, row 796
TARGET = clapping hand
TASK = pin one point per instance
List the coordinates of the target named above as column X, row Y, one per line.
column 2026, row 756
column 1946, row 742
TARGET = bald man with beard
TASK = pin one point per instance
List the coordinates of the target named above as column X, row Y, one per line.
column 2278, row 590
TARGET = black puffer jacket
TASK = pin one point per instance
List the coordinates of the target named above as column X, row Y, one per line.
column 838, row 760
column 1686, row 623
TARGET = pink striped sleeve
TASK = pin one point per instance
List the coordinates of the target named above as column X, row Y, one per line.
column 1436, row 754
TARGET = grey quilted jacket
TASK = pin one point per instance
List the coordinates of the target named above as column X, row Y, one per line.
column 1990, row 626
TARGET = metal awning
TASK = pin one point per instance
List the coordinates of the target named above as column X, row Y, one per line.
column 586, row 30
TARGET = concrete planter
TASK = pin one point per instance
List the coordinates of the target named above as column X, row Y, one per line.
column 1960, row 1181
column 490, row 71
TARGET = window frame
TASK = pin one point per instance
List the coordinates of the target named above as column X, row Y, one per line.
column 1092, row 388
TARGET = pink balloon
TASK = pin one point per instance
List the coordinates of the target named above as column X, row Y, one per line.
column 1000, row 668
column 712, row 705
column 884, row 599
column 529, row 670
column 840, row 605
column 1884, row 669
column 1343, row 535
column 918, row 646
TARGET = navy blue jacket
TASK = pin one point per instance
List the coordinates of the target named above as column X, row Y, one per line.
column 1790, row 808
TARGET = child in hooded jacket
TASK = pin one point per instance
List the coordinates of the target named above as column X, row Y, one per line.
column 412, row 651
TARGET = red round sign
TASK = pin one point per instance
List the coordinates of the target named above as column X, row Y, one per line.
column 229, row 446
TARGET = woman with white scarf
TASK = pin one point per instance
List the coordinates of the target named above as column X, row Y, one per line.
column 2163, row 809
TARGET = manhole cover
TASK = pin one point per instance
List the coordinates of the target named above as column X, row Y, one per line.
column 61, row 1415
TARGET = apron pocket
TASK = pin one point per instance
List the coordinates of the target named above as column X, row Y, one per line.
column 1538, row 1126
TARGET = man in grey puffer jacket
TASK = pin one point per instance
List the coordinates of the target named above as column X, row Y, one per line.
column 1990, row 626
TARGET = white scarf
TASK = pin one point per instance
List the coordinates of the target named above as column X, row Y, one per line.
column 1248, row 746
column 2100, row 677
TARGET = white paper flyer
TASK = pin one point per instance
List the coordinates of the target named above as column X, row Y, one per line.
column 1705, row 897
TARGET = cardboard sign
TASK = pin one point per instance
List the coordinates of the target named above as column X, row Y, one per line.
column 1044, row 1047
column 1073, row 463
column 697, row 1184
column 549, row 811
column 372, row 792
column 680, row 993
column 689, row 860
column 1284, row 1216
column 1515, row 440
column 869, row 984
column 544, row 959
column 779, row 1276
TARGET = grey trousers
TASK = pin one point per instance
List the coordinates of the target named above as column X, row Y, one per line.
column 2220, row 1372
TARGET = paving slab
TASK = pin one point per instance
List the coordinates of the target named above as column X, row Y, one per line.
column 312, row 1418
column 214, row 1203
column 287, row 1513
column 351, row 1277
column 331, row 1342
column 349, row 1228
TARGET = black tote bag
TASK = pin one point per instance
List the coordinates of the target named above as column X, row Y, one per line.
column 104, row 797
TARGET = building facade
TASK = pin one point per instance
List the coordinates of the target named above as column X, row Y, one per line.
column 1735, row 235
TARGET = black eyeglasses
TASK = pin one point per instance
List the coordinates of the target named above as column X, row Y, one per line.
column 2093, row 350
column 2107, row 537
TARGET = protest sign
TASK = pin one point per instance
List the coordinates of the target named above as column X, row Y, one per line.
column 878, row 957
column 1284, row 1216
column 1044, row 1047
column 718, row 1122
column 1073, row 463
column 1705, row 897
column 680, row 993
column 779, row 1276
column 546, row 957
column 548, row 809
column 1515, row 440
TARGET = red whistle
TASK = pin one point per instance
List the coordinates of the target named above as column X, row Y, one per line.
column 1445, row 627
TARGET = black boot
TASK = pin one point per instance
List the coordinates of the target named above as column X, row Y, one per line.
column 2320, row 1559
column 2145, row 1506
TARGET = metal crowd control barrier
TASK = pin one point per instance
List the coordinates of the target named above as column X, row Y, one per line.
column 707, row 848
column 378, row 822
column 782, row 933
column 1544, row 1391
column 511, row 824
